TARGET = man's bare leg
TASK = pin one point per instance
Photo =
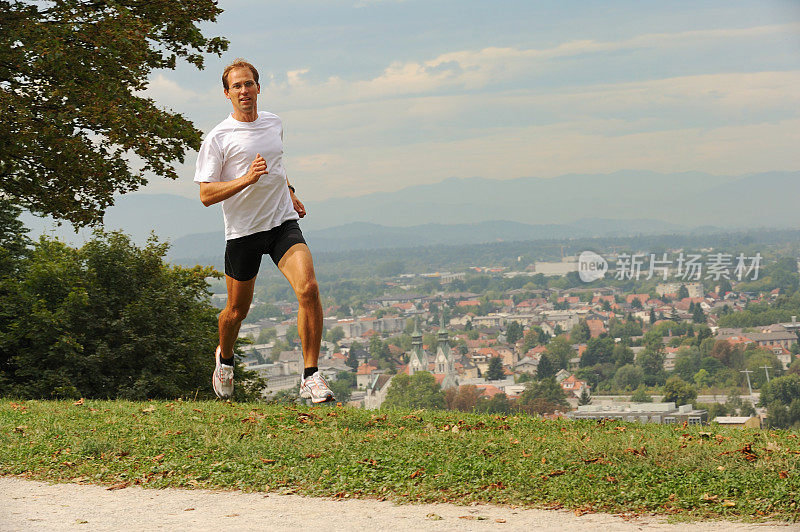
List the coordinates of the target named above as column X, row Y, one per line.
column 298, row 268
column 240, row 295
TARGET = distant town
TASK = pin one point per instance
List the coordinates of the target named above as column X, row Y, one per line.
column 492, row 339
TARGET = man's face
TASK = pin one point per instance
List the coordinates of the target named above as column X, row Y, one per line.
column 242, row 90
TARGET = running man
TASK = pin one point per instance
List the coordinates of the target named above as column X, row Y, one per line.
column 240, row 165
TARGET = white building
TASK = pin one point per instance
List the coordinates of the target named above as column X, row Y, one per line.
column 376, row 391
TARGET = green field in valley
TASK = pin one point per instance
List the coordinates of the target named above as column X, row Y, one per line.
column 407, row 456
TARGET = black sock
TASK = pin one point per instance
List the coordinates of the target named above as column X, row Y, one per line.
column 309, row 371
column 227, row 361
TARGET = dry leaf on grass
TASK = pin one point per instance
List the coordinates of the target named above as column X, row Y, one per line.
column 637, row 452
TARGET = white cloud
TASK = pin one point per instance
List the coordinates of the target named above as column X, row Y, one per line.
column 318, row 162
column 723, row 123
column 419, row 122
column 716, row 100
column 294, row 76
column 169, row 93
column 471, row 70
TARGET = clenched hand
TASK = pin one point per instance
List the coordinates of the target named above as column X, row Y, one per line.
column 257, row 168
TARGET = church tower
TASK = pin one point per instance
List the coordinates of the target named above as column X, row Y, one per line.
column 417, row 357
column 444, row 355
column 444, row 363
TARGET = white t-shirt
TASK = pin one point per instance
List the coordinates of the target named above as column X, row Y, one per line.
column 226, row 154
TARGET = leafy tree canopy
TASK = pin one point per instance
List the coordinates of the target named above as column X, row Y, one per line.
column 71, row 119
column 629, row 377
column 543, row 397
column 110, row 320
column 416, row 391
column 463, row 398
column 498, row 404
column 546, row 368
column 652, row 363
column 561, row 351
column 514, row 332
column 585, row 398
column 343, row 386
column 14, row 241
column 640, row 395
column 580, row 333
column 678, row 391
column 782, row 390
column 598, row 351
column 495, row 370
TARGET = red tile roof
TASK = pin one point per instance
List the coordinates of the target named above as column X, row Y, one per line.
column 596, row 327
column 488, row 390
column 365, row 369
column 536, row 350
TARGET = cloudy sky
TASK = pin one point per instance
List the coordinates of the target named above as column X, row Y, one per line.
column 380, row 95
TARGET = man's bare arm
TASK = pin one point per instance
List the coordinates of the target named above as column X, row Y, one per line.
column 211, row 193
column 296, row 203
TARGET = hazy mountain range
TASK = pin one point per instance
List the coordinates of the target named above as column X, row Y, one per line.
column 464, row 210
column 362, row 235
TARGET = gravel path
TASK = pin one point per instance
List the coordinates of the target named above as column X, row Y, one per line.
column 29, row 505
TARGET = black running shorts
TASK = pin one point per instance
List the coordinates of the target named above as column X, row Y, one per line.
column 243, row 254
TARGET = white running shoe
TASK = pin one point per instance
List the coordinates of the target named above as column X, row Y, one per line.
column 222, row 380
column 316, row 389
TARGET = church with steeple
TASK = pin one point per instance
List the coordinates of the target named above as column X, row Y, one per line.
column 442, row 364
column 417, row 357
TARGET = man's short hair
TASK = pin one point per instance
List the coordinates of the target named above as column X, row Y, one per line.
column 238, row 63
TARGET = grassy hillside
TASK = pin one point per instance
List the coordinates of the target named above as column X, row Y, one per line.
column 406, row 456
